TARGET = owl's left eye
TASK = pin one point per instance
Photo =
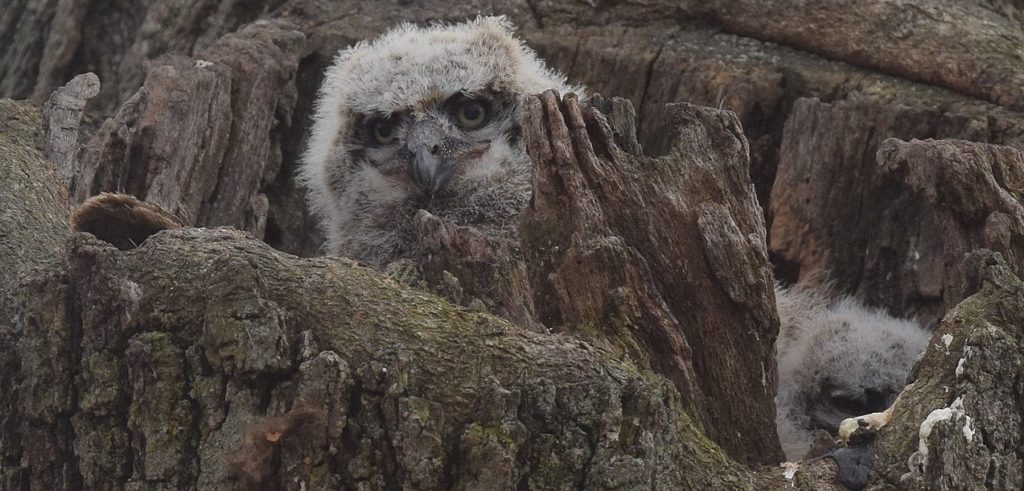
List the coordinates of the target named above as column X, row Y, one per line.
column 472, row 114
column 384, row 131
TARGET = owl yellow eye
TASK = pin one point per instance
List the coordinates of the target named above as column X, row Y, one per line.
column 472, row 115
column 384, row 131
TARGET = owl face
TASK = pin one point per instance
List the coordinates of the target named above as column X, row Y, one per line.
column 424, row 149
column 422, row 118
column 460, row 157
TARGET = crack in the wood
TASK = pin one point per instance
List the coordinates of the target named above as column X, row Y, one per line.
column 389, row 453
column 348, row 441
column 648, row 76
column 592, row 450
column 452, row 448
column 75, row 331
column 195, row 429
column 575, row 55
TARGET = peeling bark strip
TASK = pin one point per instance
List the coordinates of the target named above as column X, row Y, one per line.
column 662, row 259
column 62, row 115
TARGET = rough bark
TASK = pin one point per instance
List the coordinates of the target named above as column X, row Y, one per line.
column 975, row 192
column 651, row 52
column 158, row 367
column 144, row 397
column 760, row 82
column 475, row 270
column 62, row 118
column 663, row 258
column 892, row 227
column 981, row 48
column 33, row 231
column 107, row 375
column 970, row 382
column 51, row 40
column 145, row 369
column 33, row 202
column 202, row 135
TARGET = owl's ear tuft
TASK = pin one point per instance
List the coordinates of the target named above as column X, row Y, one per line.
column 495, row 22
column 122, row 219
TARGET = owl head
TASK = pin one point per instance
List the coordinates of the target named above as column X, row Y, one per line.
column 837, row 359
column 421, row 118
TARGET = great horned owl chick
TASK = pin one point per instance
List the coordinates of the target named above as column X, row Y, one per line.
column 837, row 359
column 422, row 118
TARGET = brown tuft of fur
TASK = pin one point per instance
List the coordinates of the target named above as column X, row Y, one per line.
column 253, row 464
column 122, row 220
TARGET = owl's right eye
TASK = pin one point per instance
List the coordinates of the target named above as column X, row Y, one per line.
column 384, row 131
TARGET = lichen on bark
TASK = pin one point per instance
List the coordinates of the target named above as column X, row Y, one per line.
column 189, row 340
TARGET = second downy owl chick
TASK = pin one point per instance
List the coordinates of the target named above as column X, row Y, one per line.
column 837, row 359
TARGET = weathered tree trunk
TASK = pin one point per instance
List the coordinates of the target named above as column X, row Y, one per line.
column 147, row 368
column 662, row 259
column 892, row 226
column 162, row 366
column 157, row 368
column 653, row 53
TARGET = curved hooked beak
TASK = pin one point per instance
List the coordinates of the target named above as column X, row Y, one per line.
column 429, row 167
column 430, row 171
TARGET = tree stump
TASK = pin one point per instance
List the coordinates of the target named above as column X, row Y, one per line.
column 662, row 259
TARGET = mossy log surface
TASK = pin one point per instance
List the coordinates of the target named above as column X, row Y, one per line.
column 970, row 381
column 162, row 366
column 146, row 368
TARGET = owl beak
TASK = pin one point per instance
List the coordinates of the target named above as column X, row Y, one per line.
column 428, row 170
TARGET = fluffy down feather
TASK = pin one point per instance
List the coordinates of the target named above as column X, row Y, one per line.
column 837, row 359
column 403, row 70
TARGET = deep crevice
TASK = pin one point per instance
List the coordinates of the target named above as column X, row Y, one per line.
column 648, row 77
